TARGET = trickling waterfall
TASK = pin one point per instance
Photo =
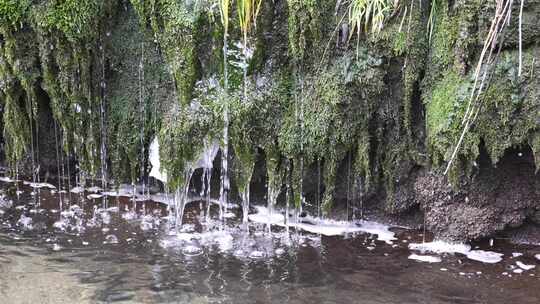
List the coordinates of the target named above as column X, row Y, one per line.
column 30, row 109
column 224, row 189
column 180, row 199
column 103, row 127
column 348, row 184
column 300, row 120
column 60, row 176
column 245, row 204
column 142, row 116
column 318, row 188
column 206, row 162
column 274, row 185
column 224, row 185
column 207, row 176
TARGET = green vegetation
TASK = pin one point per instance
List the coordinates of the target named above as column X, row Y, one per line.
column 13, row 12
column 369, row 15
column 392, row 100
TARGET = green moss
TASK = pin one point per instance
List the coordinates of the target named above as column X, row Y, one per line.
column 307, row 27
column 510, row 113
column 362, row 162
column 414, row 64
column 77, row 20
column 175, row 24
column 534, row 142
column 444, row 112
column 16, row 128
column 13, row 12
column 508, row 117
column 443, row 44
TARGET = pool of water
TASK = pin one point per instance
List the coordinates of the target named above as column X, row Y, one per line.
column 82, row 250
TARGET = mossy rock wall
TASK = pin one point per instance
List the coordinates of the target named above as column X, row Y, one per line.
column 385, row 107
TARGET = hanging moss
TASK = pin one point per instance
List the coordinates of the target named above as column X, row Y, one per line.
column 176, row 26
column 75, row 19
column 307, row 27
column 13, row 13
column 16, row 129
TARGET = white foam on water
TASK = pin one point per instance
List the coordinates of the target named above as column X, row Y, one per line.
column 516, row 254
column 425, row 258
column 7, row 179
column 444, row 247
column 5, row 203
column 39, row 185
column 484, row 256
column 94, row 196
column 264, row 217
column 94, row 189
column 113, row 209
column 25, row 222
column 192, row 250
column 61, row 224
column 382, row 231
column 77, row 190
column 153, row 156
column 257, row 254
column 279, row 251
column 440, row 247
column 222, row 239
column 537, row 256
column 111, row 239
column 123, row 190
column 525, row 266
column 325, row 227
column 229, row 215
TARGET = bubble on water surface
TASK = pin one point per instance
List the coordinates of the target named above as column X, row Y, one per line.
column 111, row 239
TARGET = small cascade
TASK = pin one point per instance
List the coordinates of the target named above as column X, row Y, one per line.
column 207, row 175
column 153, row 157
column 274, row 184
column 103, row 126
column 205, row 187
column 180, row 200
column 318, row 188
column 17, row 190
column 59, row 174
column 224, row 185
column 300, row 119
column 206, row 162
column 245, row 205
column 68, row 173
column 142, row 116
column 358, row 198
column 287, row 197
column 31, row 118
column 349, row 161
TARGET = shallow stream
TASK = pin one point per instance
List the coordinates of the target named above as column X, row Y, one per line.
column 103, row 250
